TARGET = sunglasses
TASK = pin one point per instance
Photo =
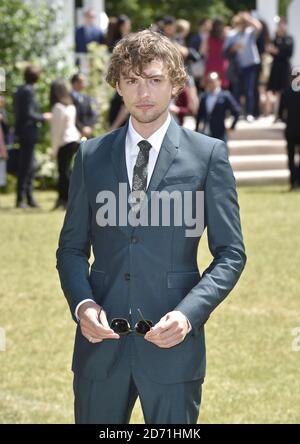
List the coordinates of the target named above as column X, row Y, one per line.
column 121, row 326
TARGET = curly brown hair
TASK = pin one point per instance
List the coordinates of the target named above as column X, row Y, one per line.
column 136, row 50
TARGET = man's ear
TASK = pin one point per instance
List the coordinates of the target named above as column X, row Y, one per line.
column 118, row 89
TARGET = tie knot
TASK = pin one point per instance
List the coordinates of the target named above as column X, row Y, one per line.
column 144, row 146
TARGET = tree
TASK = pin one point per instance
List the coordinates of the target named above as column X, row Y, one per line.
column 145, row 12
column 31, row 35
column 32, row 32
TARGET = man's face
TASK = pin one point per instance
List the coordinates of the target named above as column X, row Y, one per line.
column 242, row 24
column 89, row 18
column 81, row 82
column 147, row 98
column 206, row 26
column 282, row 27
column 170, row 30
column 212, row 84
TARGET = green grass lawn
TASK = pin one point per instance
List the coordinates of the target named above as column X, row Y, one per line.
column 252, row 371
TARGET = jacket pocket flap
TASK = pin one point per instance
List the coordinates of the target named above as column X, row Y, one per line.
column 175, row 180
column 97, row 276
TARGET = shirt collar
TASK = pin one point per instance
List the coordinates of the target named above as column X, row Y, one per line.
column 156, row 139
column 216, row 92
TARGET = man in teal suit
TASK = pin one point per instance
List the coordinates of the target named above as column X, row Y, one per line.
column 141, row 307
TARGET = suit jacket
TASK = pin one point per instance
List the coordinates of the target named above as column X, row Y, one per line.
column 26, row 112
column 290, row 103
column 85, row 114
column 216, row 120
column 82, row 40
column 153, row 268
column 195, row 41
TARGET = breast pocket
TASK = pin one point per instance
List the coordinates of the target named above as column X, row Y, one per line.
column 186, row 183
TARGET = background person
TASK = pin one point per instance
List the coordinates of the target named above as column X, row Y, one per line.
column 86, row 116
column 27, row 117
column 290, row 114
column 89, row 32
column 215, row 106
column 282, row 50
column 65, row 136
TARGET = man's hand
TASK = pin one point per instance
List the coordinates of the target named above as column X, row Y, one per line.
column 47, row 116
column 236, row 46
column 229, row 131
column 174, row 109
column 93, row 323
column 169, row 331
column 272, row 49
column 3, row 151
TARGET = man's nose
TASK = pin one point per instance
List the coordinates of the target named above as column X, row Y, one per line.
column 143, row 90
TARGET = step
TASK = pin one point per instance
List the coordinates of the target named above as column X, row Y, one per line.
column 259, row 162
column 262, row 128
column 257, row 133
column 263, row 177
column 256, row 147
column 256, row 150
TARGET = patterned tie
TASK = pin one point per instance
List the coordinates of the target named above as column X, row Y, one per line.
column 140, row 171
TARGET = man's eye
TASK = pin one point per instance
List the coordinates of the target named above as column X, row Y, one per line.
column 131, row 82
column 156, row 80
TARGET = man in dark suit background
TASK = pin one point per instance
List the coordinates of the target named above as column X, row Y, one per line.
column 27, row 117
column 88, row 33
column 215, row 104
column 86, row 116
column 196, row 40
column 141, row 308
column 289, row 112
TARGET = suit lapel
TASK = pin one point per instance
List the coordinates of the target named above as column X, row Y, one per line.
column 118, row 156
column 167, row 154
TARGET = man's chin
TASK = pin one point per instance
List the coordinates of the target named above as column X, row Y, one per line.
column 146, row 117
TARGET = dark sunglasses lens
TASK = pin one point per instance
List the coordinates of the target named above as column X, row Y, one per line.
column 143, row 327
column 119, row 326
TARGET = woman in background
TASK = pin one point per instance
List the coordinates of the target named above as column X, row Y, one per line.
column 118, row 28
column 65, row 136
column 282, row 50
column 214, row 51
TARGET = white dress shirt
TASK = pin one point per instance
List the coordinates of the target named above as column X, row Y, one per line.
column 132, row 149
column 211, row 100
column 131, row 152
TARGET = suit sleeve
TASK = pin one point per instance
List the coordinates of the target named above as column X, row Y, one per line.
column 29, row 106
column 75, row 241
column 234, row 108
column 201, row 113
column 224, row 238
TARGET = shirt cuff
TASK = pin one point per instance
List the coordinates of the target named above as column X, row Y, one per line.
column 79, row 305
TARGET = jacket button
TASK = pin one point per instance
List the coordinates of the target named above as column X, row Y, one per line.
column 127, row 276
column 134, row 240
